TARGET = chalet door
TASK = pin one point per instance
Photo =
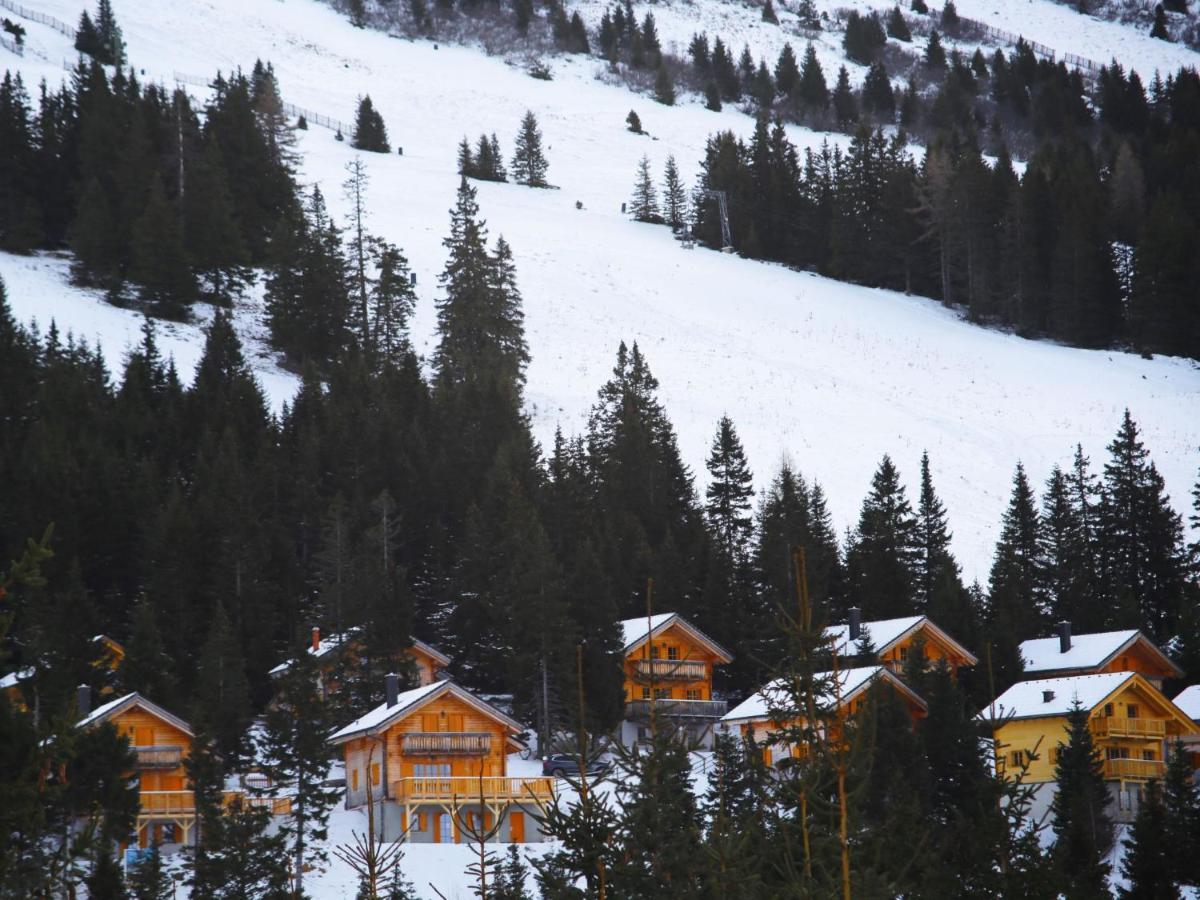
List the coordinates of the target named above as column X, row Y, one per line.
column 516, row 827
column 437, row 827
column 456, row 721
column 143, row 736
column 429, row 722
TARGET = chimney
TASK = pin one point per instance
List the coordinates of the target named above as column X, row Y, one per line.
column 855, row 623
column 1047, row 696
column 316, row 638
column 83, row 700
column 392, row 686
column 1064, row 636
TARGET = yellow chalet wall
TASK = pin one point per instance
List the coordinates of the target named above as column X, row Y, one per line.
column 676, row 663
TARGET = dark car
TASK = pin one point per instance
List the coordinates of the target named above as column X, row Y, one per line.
column 561, row 764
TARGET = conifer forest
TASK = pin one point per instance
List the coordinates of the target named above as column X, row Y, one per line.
column 264, row 574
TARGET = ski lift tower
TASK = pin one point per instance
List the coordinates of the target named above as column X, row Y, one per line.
column 723, row 207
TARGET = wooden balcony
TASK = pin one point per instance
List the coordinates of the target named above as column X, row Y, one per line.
column 434, row 743
column 1134, row 769
column 162, row 757
column 638, row 710
column 183, row 803
column 494, row 789
column 670, row 670
column 1115, row 727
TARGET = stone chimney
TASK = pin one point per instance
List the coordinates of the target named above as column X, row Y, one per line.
column 316, row 638
column 83, row 700
column 1064, row 636
column 391, row 685
column 855, row 622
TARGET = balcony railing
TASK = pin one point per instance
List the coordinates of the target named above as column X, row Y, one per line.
column 1142, row 769
column 671, row 669
column 458, row 744
column 163, row 757
column 173, row 803
column 467, row 789
column 677, row 709
column 1112, row 726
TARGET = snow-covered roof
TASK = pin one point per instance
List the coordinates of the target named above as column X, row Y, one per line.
column 635, row 631
column 12, row 679
column 1087, row 651
column 850, row 681
column 334, row 642
column 1055, row 696
column 382, row 716
column 1188, row 700
column 114, row 707
column 885, row 632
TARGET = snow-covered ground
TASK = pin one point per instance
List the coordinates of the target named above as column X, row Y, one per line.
column 827, row 374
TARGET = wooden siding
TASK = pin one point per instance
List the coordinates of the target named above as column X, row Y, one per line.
column 936, row 650
column 674, row 684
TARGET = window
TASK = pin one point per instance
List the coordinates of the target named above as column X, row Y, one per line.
column 902, row 654
column 447, row 829
column 645, row 693
column 422, row 821
column 1108, row 709
column 653, row 652
column 672, row 653
column 1148, row 754
column 694, row 694
column 1133, row 710
column 1053, row 756
column 431, row 770
column 662, row 693
column 1017, row 757
column 1116, row 752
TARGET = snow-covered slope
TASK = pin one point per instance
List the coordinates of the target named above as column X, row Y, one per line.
column 828, row 374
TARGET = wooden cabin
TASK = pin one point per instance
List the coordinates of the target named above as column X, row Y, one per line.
column 1134, row 727
column 434, row 760
column 161, row 741
column 895, row 639
column 668, row 670
column 329, row 651
column 758, row 716
column 107, row 660
column 1091, row 654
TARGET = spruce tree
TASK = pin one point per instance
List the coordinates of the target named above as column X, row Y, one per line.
column 1016, row 595
column 674, row 196
column 529, row 162
column 1146, row 865
column 391, row 303
column 664, row 86
column 935, row 55
column 147, row 880
column 845, row 107
column 369, row 131
column 1159, row 28
column 730, row 488
column 1081, row 823
column 882, row 553
column 110, row 43
column 877, row 95
column 735, row 832
column 644, row 207
column 222, row 691
column 147, row 667
column 160, row 265
column 1181, row 801
column 768, row 13
column 813, row 91
column 787, row 72
column 896, row 26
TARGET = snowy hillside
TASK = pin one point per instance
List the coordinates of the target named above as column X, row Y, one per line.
column 827, row 374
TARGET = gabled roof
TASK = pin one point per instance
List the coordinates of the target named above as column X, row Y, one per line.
column 12, row 679
column 1088, row 651
column 112, row 708
column 335, row 642
column 851, row 683
column 383, row 716
column 1188, row 700
column 887, row 632
column 635, row 631
column 1050, row 697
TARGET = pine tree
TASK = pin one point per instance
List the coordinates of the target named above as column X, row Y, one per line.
column 222, row 691
column 1159, row 28
column 1181, row 800
column 877, row 95
column 87, row 41
column 1140, row 538
column 664, row 86
column 295, row 755
column 674, row 196
column 845, row 107
column 1081, row 823
column 354, row 189
column 529, row 163
column 644, row 207
column 935, row 55
column 768, row 13
column 147, row 668
column 812, row 91
column 1068, row 539
column 369, row 131
column 110, row 43
column 881, row 556
column 730, row 488
column 1146, row 865
column 215, row 245
column 148, row 880
column 634, row 123
column 735, row 836
column 510, row 877
column 392, row 303
column 787, row 72
column 896, row 26
column 160, row 265
column 272, row 120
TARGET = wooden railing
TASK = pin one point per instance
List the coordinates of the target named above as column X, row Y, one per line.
column 168, row 803
column 1134, row 768
column 678, row 709
column 458, row 743
column 160, row 757
column 1114, row 726
column 467, row 789
column 671, row 669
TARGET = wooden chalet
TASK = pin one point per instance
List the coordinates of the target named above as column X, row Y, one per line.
column 1133, row 725
column 162, row 741
column 1092, row 654
column 435, row 762
column 764, row 714
column 330, row 651
column 668, row 671
column 894, row 639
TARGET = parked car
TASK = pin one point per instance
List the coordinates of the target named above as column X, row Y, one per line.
column 561, row 764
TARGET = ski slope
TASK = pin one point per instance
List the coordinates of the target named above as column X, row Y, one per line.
column 828, row 375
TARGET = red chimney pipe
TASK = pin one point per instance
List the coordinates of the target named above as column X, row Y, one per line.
column 316, row 640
